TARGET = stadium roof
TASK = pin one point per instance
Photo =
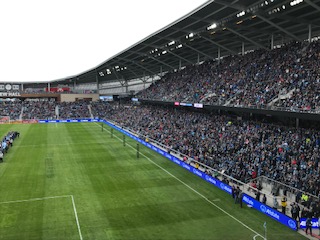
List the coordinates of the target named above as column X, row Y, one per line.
column 220, row 27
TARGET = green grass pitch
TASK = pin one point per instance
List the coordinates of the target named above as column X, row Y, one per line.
column 73, row 181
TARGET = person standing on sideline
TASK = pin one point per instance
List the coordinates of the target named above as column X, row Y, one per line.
column 295, row 210
column 284, row 204
column 264, row 199
column 275, row 203
column 309, row 225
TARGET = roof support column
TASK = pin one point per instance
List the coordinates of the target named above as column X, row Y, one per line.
column 22, row 87
column 161, row 71
column 97, row 82
column 179, row 64
column 242, row 51
column 198, row 60
column 219, row 54
column 272, row 42
column 144, row 80
column 49, row 87
column 126, row 85
column 310, row 33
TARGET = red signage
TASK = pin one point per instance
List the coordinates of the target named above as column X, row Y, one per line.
column 58, row 89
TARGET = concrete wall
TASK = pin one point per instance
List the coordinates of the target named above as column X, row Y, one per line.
column 73, row 97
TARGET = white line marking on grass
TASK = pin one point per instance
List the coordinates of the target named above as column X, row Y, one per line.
column 178, row 179
column 34, row 199
column 52, row 197
column 216, row 200
column 258, row 235
column 76, row 216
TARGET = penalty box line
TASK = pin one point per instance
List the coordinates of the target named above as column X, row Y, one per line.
column 52, row 197
column 192, row 189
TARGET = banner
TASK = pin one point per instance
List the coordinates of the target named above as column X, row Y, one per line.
column 270, row 212
column 58, row 89
column 68, row 121
column 315, row 223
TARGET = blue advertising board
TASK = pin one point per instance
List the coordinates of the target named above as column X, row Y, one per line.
column 270, row 212
column 315, row 223
column 68, row 121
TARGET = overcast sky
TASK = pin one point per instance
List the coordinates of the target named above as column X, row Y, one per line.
column 43, row 40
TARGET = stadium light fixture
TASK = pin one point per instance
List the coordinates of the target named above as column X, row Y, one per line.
column 212, row 26
column 240, row 14
column 295, row 2
column 171, row 43
column 190, row 35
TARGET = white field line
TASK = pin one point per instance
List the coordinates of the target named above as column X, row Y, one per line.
column 34, row 199
column 178, row 179
column 76, row 216
column 52, row 197
column 255, row 236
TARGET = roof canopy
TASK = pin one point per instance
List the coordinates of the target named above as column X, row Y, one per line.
column 217, row 28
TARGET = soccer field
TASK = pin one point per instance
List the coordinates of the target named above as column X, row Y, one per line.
column 75, row 181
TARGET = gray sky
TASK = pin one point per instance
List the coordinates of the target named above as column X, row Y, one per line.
column 45, row 40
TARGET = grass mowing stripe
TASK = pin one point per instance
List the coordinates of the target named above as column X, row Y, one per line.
column 205, row 198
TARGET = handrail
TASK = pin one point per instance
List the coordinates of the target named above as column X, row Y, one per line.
column 288, row 186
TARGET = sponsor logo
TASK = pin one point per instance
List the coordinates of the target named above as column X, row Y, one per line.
column 195, row 171
column 211, row 180
column 186, row 166
column 247, row 200
column 273, row 214
column 226, row 188
column 176, row 161
column 292, row 224
column 263, row 208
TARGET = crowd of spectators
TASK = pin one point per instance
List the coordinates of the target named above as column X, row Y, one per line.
column 39, row 110
column 255, row 79
column 11, row 109
column 72, row 110
column 26, row 110
column 242, row 149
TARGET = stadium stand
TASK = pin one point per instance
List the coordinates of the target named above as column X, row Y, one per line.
column 258, row 78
